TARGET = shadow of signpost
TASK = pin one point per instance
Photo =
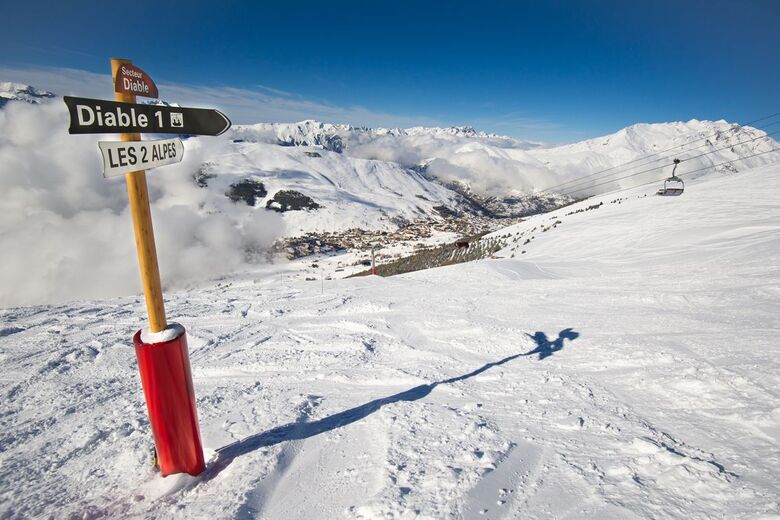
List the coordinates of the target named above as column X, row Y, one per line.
column 545, row 347
column 304, row 430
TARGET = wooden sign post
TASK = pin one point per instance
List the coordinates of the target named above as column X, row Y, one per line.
column 163, row 357
column 142, row 224
column 161, row 350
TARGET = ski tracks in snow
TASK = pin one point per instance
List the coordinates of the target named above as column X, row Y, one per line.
column 424, row 396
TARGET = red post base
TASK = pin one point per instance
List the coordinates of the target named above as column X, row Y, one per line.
column 170, row 400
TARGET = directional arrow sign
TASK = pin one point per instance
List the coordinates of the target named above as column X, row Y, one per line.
column 128, row 156
column 98, row 116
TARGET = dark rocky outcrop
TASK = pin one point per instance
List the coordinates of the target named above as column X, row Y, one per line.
column 247, row 190
column 290, row 200
column 444, row 211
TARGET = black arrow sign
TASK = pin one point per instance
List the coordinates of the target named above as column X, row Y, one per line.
column 98, row 116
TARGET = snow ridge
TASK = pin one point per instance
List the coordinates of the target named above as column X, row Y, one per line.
column 19, row 92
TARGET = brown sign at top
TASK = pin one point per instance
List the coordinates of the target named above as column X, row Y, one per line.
column 132, row 80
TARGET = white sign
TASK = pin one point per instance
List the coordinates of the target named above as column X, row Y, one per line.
column 120, row 157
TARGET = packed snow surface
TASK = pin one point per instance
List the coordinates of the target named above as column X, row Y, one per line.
column 625, row 366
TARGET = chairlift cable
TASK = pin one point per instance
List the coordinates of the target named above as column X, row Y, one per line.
column 664, row 151
column 686, row 173
column 567, row 192
column 582, row 179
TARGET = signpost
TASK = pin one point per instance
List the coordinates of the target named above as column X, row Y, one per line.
column 98, row 116
column 123, row 157
column 163, row 359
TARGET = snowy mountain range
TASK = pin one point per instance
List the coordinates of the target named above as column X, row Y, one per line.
column 234, row 195
column 18, row 92
column 489, row 174
column 461, row 147
column 335, row 137
column 368, row 177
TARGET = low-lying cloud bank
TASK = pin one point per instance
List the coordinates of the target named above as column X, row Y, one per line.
column 66, row 232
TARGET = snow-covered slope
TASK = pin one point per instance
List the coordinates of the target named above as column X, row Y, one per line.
column 351, row 192
column 699, row 143
column 506, row 172
column 626, row 366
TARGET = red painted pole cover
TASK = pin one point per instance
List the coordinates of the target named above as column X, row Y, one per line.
column 170, row 400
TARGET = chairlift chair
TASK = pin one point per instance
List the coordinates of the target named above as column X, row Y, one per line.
column 673, row 185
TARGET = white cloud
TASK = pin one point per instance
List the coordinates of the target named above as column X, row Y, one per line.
column 66, row 232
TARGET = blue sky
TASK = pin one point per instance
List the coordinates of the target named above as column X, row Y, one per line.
column 553, row 71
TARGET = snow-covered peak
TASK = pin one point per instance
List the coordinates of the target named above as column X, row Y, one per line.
column 654, row 137
column 20, row 92
column 302, row 133
column 157, row 102
column 460, row 131
column 337, row 137
column 648, row 147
